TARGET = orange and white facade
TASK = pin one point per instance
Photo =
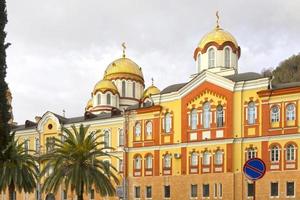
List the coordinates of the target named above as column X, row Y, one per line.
column 190, row 140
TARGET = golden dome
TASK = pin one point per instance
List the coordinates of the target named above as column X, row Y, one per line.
column 124, row 68
column 151, row 91
column 219, row 36
column 89, row 104
column 105, row 85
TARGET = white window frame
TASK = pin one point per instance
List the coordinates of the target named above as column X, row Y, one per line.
column 219, row 157
column 290, row 152
column 290, row 113
column 206, row 115
column 211, row 58
column 138, row 129
column 275, row 154
column 193, row 118
column 227, row 57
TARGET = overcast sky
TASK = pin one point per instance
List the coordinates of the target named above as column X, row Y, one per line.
column 60, row 48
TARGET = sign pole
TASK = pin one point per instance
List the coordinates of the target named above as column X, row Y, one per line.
column 254, row 190
column 254, row 169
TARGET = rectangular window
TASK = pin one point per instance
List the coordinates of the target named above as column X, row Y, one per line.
column 120, row 165
column 205, row 190
column 133, row 89
column 274, row 189
column 148, row 192
column 290, row 189
column 167, row 191
column 137, row 192
column 215, row 190
column 193, row 190
column 121, row 137
column 65, row 195
column 92, row 193
column 250, row 190
column 220, row 190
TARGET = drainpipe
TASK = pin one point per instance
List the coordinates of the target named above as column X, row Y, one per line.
column 242, row 137
column 39, row 185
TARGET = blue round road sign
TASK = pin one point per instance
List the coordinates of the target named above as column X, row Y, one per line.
column 254, row 169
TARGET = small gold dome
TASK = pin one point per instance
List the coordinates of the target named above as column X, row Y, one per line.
column 124, row 68
column 219, row 36
column 151, row 91
column 105, row 85
column 89, row 104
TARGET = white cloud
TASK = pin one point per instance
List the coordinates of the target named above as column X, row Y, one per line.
column 60, row 48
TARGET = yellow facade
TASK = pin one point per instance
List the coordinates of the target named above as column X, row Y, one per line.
column 191, row 140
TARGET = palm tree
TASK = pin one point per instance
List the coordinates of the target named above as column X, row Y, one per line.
column 18, row 168
column 77, row 162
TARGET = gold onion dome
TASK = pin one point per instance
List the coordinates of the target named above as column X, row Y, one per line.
column 124, row 68
column 105, row 85
column 151, row 91
column 89, row 104
column 219, row 36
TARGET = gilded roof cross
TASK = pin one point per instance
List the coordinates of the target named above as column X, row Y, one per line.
column 218, row 18
column 124, row 48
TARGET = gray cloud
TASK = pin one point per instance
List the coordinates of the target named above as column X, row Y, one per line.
column 60, row 48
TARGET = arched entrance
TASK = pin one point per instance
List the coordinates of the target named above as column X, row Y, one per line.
column 50, row 197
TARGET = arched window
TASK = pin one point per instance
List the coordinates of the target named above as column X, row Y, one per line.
column 167, row 161
column 275, row 156
column 26, row 145
column 138, row 162
column 133, row 89
column 106, row 139
column 37, row 144
column 290, row 112
column 121, row 137
column 220, row 116
column 251, row 153
column 123, row 88
column 251, row 112
column 194, row 159
column 194, row 119
column 137, row 129
column 199, row 61
column 227, row 57
column 275, row 114
column 206, row 158
column 211, row 58
column 149, row 129
column 219, row 157
column 168, row 123
column 206, row 115
column 290, row 152
column 108, row 99
column 99, row 99
column 149, row 164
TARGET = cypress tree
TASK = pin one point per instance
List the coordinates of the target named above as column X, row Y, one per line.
column 4, row 106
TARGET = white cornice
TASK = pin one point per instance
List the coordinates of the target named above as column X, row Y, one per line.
column 216, row 142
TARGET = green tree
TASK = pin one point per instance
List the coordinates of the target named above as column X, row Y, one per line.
column 18, row 168
column 76, row 161
column 288, row 70
column 4, row 106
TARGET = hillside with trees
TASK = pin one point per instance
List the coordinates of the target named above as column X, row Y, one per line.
column 287, row 71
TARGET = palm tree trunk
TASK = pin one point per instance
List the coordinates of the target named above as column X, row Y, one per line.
column 80, row 196
column 11, row 190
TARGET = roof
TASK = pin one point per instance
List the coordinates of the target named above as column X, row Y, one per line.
column 173, row 88
column 138, row 105
column 247, row 76
column 285, row 85
column 71, row 120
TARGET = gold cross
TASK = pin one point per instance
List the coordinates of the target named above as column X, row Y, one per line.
column 124, row 48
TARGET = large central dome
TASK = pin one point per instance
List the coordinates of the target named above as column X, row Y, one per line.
column 124, row 68
column 219, row 36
